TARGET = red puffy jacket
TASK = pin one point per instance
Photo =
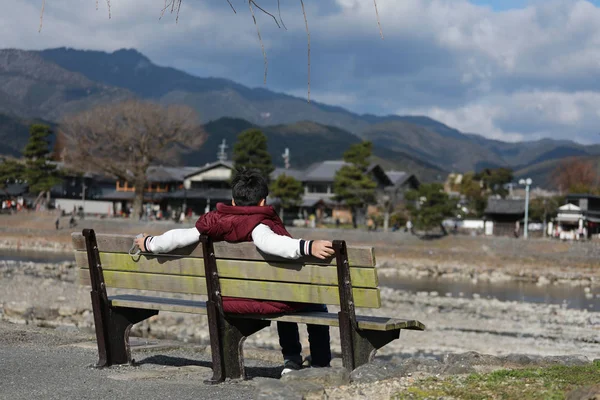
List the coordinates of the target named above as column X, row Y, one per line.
column 235, row 224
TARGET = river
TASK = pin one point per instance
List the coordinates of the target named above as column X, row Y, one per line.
column 569, row 296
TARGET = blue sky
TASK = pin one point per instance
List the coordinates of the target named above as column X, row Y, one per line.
column 506, row 69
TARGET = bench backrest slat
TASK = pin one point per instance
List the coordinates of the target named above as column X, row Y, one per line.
column 295, row 292
column 237, row 269
column 358, row 256
column 243, row 272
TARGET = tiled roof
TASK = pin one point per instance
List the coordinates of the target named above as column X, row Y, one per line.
column 295, row 173
column 505, row 206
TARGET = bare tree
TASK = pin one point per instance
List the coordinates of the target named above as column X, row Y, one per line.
column 388, row 200
column 124, row 139
column 575, row 175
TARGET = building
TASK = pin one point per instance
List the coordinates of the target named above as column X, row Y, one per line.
column 580, row 211
column 505, row 216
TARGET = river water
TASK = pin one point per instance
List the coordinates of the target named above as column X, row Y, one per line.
column 568, row 296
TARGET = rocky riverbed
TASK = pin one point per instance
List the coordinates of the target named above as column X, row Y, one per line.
column 47, row 294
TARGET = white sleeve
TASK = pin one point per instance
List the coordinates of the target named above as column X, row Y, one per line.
column 171, row 240
column 278, row 245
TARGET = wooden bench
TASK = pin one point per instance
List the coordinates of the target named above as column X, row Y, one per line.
column 236, row 270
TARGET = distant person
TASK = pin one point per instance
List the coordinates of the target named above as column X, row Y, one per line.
column 337, row 222
column 72, row 222
column 57, row 223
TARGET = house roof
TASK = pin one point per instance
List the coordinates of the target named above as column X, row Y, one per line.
column 295, row 173
column 505, row 206
column 323, row 171
column 209, row 166
column 397, row 177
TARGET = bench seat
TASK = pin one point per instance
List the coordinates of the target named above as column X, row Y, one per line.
column 317, row 318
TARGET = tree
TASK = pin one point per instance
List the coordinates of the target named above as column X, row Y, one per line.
column 352, row 184
column 124, row 139
column 473, row 191
column 251, row 151
column 429, row 206
column 575, row 175
column 495, row 179
column 387, row 202
column 40, row 172
column 10, row 171
column 288, row 190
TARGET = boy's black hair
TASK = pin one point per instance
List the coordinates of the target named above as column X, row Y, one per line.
column 249, row 187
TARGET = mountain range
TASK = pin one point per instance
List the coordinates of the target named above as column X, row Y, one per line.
column 45, row 85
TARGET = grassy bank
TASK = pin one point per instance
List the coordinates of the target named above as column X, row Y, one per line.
column 523, row 384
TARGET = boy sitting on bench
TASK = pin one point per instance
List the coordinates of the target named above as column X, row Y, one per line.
column 249, row 219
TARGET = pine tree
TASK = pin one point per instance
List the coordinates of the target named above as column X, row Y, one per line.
column 10, row 172
column 40, row 173
column 288, row 190
column 352, row 184
column 251, row 151
column 429, row 206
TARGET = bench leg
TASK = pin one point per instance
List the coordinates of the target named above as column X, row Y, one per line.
column 113, row 346
column 228, row 350
column 365, row 344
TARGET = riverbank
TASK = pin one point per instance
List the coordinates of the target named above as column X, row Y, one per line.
column 47, row 294
column 490, row 259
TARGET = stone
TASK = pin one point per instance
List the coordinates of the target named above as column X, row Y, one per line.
column 45, row 313
column 276, row 389
column 422, row 364
column 322, row 376
column 376, row 370
column 584, row 393
column 18, row 311
column 66, row 311
column 471, row 358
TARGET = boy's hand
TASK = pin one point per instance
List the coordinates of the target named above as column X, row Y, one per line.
column 322, row 249
column 140, row 243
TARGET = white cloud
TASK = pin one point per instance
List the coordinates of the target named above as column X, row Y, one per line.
column 514, row 74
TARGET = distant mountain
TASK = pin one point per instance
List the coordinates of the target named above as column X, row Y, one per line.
column 50, row 83
column 308, row 142
column 14, row 133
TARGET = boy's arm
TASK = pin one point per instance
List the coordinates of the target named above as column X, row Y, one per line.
column 168, row 241
column 283, row 246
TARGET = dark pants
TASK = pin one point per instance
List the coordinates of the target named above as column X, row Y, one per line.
column 318, row 337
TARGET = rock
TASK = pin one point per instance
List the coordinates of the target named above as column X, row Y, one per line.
column 376, row 370
column 471, row 358
column 566, row 360
column 276, row 389
column 428, row 365
column 18, row 311
column 584, row 393
column 66, row 311
column 45, row 313
column 321, row 376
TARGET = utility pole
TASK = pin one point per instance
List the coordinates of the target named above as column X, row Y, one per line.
column 527, row 182
column 222, row 155
column 286, row 158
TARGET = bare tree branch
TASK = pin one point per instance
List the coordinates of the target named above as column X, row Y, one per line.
column 96, row 5
column 262, row 46
column 308, row 38
column 378, row 22
column 231, row 5
column 266, row 12
column 279, row 10
column 125, row 139
column 42, row 15
column 109, row 11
